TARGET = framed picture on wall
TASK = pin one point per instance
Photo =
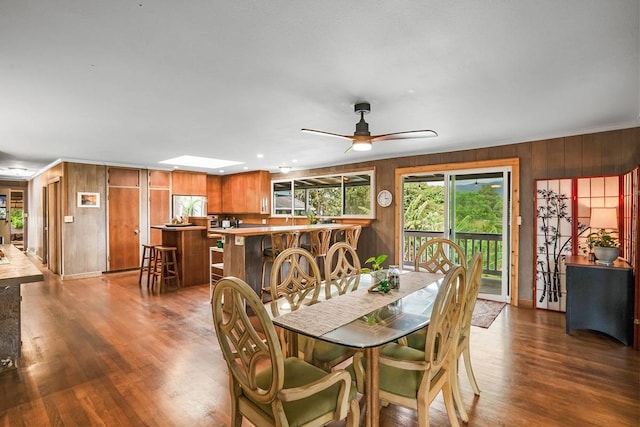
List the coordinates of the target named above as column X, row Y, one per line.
column 88, row 200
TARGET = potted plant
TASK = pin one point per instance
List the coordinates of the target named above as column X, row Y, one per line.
column 605, row 245
column 376, row 270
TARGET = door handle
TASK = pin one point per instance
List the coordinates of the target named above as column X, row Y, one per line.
column 136, row 231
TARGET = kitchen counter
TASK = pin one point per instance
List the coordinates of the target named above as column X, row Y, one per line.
column 258, row 230
column 243, row 248
column 192, row 243
column 16, row 270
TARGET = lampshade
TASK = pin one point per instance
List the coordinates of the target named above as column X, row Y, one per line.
column 604, row 218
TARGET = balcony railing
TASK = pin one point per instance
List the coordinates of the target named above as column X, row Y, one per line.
column 489, row 244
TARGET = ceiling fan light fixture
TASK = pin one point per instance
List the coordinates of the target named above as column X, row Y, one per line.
column 361, row 145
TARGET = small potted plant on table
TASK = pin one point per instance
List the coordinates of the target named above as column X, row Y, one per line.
column 605, row 246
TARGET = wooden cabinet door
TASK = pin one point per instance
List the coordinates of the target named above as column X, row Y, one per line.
column 247, row 192
column 214, row 194
column 189, row 183
column 124, row 219
column 159, row 203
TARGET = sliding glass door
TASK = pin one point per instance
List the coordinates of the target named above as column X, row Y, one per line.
column 470, row 207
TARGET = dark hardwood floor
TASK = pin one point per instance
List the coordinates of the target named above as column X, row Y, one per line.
column 99, row 351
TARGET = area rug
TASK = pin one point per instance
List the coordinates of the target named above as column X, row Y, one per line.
column 485, row 312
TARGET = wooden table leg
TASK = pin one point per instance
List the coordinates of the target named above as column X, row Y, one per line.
column 372, row 378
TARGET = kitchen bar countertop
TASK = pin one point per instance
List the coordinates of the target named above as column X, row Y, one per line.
column 259, row 230
column 179, row 227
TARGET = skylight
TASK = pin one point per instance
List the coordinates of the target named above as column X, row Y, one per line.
column 200, row 162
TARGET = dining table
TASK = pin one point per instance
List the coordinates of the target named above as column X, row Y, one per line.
column 364, row 319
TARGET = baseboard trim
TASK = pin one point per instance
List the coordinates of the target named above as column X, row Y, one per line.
column 81, row 275
column 525, row 303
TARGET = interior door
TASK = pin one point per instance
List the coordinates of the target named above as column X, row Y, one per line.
column 124, row 219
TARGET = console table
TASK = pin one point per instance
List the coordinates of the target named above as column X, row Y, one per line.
column 600, row 297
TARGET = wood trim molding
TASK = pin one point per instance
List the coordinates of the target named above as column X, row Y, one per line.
column 514, row 164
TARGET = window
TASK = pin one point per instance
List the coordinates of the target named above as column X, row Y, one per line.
column 346, row 195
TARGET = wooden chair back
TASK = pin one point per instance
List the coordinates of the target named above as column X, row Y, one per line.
column 444, row 326
column 352, row 235
column 439, row 256
column 320, row 241
column 341, row 269
column 243, row 348
column 296, row 276
column 474, row 277
column 284, row 240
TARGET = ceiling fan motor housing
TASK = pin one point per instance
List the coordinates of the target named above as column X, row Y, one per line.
column 362, row 127
column 362, row 107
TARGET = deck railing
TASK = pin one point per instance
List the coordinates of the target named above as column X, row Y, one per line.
column 489, row 244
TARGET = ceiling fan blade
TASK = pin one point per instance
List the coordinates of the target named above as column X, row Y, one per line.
column 411, row 134
column 321, row 132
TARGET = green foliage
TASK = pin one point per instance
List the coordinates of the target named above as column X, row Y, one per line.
column 603, row 239
column 16, row 218
column 376, row 263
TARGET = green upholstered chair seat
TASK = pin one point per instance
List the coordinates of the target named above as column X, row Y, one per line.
column 327, row 352
column 400, row 381
column 297, row 373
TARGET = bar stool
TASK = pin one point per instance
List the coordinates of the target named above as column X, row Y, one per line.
column 319, row 246
column 147, row 262
column 352, row 234
column 279, row 242
column 165, row 268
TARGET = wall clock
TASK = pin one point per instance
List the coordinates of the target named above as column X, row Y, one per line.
column 384, row 198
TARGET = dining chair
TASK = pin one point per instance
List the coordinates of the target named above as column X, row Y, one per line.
column 279, row 242
column 412, row 378
column 474, row 277
column 296, row 277
column 266, row 388
column 439, row 255
column 341, row 269
column 436, row 255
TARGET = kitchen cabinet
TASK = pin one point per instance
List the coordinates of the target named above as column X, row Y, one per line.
column 248, row 192
column 600, row 298
column 214, row 194
column 189, row 183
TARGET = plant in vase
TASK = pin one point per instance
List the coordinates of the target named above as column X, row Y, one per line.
column 605, row 245
column 376, row 271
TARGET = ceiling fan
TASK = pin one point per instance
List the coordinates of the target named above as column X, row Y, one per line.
column 361, row 139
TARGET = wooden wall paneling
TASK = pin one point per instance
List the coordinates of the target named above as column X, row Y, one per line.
column 573, row 156
column 526, row 253
column 592, row 155
column 85, row 238
column 539, row 160
column 555, row 157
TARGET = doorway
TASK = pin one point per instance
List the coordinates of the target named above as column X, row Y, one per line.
column 471, row 207
column 17, row 224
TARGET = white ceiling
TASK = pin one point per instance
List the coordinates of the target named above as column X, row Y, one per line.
column 136, row 82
